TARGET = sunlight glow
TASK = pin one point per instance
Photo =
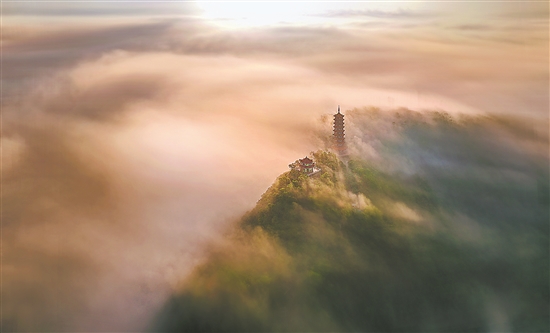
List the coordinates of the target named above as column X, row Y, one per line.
column 254, row 14
column 244, row 14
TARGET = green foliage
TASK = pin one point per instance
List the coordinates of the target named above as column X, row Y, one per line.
column 326, row 261
column 326, row 160
column 364, row 178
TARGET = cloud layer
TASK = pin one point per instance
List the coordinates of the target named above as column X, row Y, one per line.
column 131, row 137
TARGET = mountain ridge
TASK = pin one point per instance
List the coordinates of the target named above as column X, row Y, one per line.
column 363, row 248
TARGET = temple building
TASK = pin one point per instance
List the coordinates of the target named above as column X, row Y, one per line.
column 305, row 165
column 339, row 134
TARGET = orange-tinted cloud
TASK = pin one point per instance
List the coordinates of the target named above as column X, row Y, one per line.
column 130, row 140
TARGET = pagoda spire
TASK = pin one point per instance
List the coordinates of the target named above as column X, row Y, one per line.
column 339, row 134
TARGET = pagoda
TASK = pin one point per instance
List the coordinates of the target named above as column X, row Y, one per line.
column 306, row 165
column 339, row 134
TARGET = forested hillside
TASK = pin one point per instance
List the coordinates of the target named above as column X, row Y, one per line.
column 459, row 244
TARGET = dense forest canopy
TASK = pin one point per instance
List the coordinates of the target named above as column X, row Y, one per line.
column 435, row 223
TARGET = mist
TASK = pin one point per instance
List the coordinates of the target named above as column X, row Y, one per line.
column 435, row 223
column 134, row 138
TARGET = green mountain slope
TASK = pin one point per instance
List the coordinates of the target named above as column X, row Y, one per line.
column 361, row 247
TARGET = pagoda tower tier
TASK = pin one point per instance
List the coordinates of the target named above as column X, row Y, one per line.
column 339, row 137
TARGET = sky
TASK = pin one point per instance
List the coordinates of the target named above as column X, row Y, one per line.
column 133, row 133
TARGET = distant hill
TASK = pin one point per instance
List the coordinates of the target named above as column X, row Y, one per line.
column 443, row 228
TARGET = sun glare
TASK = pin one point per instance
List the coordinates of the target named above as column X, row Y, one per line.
column 244, row 14
column 250, row 14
